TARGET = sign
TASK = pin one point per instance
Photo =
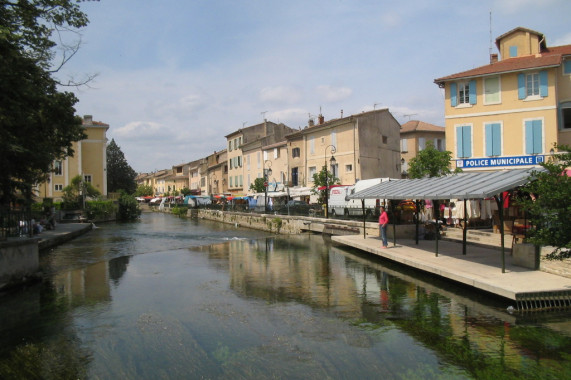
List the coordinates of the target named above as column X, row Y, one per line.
column 265, row 184
column 491, row 162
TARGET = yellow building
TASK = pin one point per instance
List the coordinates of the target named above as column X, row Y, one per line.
column 414, row 135
column 510, row 112
column 89, row 161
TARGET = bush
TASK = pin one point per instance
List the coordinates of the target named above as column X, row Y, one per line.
column 128, row 208
column 100, row 210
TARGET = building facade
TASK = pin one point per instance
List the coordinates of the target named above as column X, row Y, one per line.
column 414, row 135
column 511, row 112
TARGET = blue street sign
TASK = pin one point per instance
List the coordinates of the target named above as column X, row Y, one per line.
column 491, row 162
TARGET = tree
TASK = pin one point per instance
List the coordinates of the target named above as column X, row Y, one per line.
column 74, row 192
column 258, row 185
column 319, row 181
column 549, row 205
column 430, row 162
column 120, row 175
column 37, row 123
column 144, row 190
column 128, row 209
column 185, row 191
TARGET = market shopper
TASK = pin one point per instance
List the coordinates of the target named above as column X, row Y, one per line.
column 383, row 221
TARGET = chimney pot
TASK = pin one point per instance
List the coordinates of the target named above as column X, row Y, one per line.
column 493, row 58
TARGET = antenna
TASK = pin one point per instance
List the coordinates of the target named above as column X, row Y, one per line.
column 409, row 115
column 490, row 33
column 264, row 114
column 244, row 123
column 375, row 105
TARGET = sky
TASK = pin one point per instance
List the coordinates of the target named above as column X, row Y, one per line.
column 173, row 77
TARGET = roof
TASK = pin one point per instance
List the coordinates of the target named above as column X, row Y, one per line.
column 457, row 186
column 549, row 57
column 521, row 29
column 420, row 126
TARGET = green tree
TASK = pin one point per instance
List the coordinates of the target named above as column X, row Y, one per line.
column 128, row 209
column 74, row 192
column 144, row 190
column 185, row 191
column 549, row 205
column 37, row 123
column 319, row 180
column 430, row 162
column 258, row 185
column 120, row 175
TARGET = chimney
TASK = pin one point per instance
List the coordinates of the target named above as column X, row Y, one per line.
column 341, row 114
column 321, row 119
column 493, row 58
column 87, row 119
column 311, row 123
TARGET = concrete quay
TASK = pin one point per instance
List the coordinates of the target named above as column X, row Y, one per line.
column 480, row 268
column 62, row 233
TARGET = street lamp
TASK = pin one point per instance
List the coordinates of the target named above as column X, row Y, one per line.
column 333, row 150
column 267, row 172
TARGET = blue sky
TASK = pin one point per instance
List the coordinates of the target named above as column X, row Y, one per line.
column 175, row 77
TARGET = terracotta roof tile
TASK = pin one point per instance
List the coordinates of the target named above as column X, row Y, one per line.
column 420, row 126
column 549, row 57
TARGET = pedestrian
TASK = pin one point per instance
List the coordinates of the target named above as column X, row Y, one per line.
column 383, row 221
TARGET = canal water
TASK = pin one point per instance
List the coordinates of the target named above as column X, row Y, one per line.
column 170, row 298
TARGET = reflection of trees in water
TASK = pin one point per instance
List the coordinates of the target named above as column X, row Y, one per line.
column 117, row 268
column 47, row 346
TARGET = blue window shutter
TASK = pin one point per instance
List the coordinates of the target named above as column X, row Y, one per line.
column 543, row 83
column 537, row 138
column 521, row 86
column 459, row 142
column 467, row 143
column 496, row 139
column 489, row 140
column 453, row 95
column 567, row 67
column 472, row 85
column 513, row 51
column 529, row 137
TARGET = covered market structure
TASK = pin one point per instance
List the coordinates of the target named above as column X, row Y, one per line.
column 461, row 186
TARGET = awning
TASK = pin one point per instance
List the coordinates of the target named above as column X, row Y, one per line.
column 456, row 186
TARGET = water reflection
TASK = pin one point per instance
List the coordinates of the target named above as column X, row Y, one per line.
column 172, row 298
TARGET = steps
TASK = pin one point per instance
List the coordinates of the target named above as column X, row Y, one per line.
column 481, row 237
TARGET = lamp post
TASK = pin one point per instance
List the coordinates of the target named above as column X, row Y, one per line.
column 267, row 172
column 333, row 150
column 212, row 183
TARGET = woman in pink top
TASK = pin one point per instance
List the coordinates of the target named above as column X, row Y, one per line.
column 383, row 221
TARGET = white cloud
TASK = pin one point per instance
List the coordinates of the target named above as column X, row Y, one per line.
column 333, row 94
column 280, row 94
column 137, row 130
column 563, row 40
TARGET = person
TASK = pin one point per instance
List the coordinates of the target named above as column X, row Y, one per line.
column 383, row 221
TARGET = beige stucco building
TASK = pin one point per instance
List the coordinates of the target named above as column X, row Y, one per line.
column 512, row 111
column 414, row 135
column 365, row 146
column 89, row 161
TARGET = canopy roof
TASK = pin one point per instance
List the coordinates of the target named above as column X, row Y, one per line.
column 457, row 186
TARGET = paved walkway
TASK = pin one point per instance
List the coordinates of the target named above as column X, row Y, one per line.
column 480, row 268
column 62, row 233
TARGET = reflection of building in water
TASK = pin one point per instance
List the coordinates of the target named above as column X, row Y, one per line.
column 90, row 284
column 279, row 270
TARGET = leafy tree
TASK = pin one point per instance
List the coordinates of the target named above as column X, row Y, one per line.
column 120, row 175
column 258, row 185
column 319, row 181
column 37, row 123
column 73, row 193
column 430, row 162
column 549, row 205
column 185, row 191
column 144, row 190
column 128, row 209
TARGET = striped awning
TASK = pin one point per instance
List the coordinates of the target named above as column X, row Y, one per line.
column 472, row 185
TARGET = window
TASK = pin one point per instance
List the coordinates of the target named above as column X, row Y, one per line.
column 294, row 176
column 421, row 143
column 567, row 66
column 492, row 90
column 87, row 178
column 58, row 168
column 202, row 182
column 335, row 170
column 311, row 172
column 58, row 187
column 440, row 144
column 312, row 145
column 385, row 139
column 265, row 155
column 241, row 183
column 464, row 141
column 513, row 51
column 463, row 93
column 235, row 181
column 259, row 161
column 248, row 162
column 404, row 145
column 276, row 153
column 230, row 181
column 565, row 115
column 348, row 168
column 296, row 152
column 334, row 139
column 230, row 146
column 231, row 162
column 533, row 136
column 493, row 135
column 532, row 85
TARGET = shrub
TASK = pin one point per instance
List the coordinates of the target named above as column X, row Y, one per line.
column 128, row 208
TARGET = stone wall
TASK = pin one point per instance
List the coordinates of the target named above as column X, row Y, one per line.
column 19, row 261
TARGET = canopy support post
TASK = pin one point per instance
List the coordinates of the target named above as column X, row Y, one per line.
column 364, row 219
column 464, row 228
column 500, row 202
column 417, row 218
column 394, row 223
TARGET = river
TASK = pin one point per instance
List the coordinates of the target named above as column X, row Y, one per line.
column 170, row 298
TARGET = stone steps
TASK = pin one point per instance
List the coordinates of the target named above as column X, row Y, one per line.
column 484, row 238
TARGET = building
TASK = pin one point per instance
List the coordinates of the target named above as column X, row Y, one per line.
column 89, row 160
column 413, row 137
column 217, row 172
column 365, row 146
column 254, row 138
column 512, row 111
